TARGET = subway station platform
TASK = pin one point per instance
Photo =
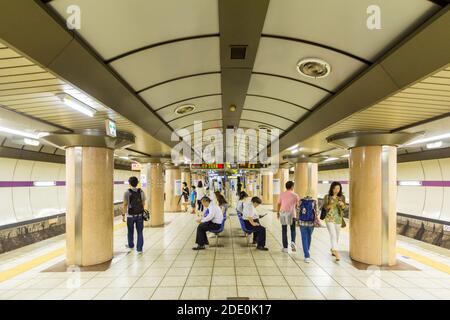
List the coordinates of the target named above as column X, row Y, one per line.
column 170, row 269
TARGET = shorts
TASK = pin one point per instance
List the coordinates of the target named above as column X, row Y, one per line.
column 286, row 218
column 192, row 204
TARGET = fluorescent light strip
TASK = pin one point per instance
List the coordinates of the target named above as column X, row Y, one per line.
column 77, row 105
column 430, row 139
column 410, row 183
column 293, row 147
column 434, row 145
column 31, row 142
column 330, row 159
column 44, row 183
column 21, row 133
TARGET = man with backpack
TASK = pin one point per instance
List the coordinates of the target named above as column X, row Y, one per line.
column 133, row 210
column 287, row 212
column 307, row 219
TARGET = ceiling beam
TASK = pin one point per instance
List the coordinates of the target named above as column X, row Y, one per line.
column 414, row 58
column 240, row 24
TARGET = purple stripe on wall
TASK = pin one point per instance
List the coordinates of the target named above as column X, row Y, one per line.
column 18, row 184
column 424, row 183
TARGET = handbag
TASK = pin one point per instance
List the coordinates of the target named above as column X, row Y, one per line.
column 146, row 215
column 323, row 213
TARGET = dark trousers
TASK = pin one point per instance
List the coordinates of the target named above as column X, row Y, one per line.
column 306, row 233
column 202, row 228
column 259, row 232
column 139, row 222
column 200, row 205
column 255, row 235
column 284, row 234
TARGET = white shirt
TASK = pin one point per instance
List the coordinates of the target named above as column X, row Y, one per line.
column 200, row 193
column 249, row 211
column 240, row 205
column 214, row 215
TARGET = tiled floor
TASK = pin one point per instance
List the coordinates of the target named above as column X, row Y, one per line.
column 169, row 269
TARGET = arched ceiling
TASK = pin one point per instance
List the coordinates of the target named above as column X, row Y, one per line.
column 172, row 53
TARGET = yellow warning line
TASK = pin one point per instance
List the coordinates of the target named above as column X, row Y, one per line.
column 26, row 266
column 422, row 259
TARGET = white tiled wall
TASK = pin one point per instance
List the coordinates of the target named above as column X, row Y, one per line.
column 430, row 202
column 25, row 203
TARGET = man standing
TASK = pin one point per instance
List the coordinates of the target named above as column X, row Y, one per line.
column 212, row 220
column 133, row 210
column 287, row 212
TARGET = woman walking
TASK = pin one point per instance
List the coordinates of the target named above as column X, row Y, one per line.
column 334, row 205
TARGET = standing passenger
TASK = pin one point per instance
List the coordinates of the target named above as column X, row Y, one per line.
column 250, row 217
column 287, row 212
column 133, row 208
column 200, row 195
column 185, row 196
column 306, row 220
column 211, row 221
column 334, row 204
column 193, row 199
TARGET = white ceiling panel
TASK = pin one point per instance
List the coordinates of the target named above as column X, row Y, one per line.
column 280, row 57
column 201, row 104
column 113, row 27
column 344, row 25
column 258, row 116
column 177, row 59
column 203, row 116
column 292, row 91
column 173, row 91
column 205, row 125
column 284, row 109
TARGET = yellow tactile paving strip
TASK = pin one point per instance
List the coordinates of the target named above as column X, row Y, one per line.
column 17, row 270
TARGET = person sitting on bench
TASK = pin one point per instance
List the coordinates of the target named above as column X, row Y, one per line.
column 211, row 220
column 250, row 217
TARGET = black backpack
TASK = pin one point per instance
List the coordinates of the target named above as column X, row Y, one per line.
column 135, row 205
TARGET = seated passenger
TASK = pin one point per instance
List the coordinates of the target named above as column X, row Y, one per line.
column 243, row 198
column 223, row 204
column 251, row 217
column 211, row 221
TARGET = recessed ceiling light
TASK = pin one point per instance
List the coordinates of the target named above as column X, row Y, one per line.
column 264, row 127
column 185, row 109
column 313, row 68
column 434, row 145
column 232, row 108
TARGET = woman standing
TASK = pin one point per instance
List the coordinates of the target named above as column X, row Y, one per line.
column 334, row 204
column 185, row 196
column 200, row 194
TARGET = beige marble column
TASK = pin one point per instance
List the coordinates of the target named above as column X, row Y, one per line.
column 373, row 214
column 156, row 199
column 280, row 177
column 258, row 185
column 89, row 217
column 172, row 201
column 267, row 187
column 306, row 179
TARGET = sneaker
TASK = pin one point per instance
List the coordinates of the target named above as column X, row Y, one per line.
column 285, row 250
column 199, row 248
column 262, row 248
column 307, row 260
column 293, row 247
column 128, row 247
column 139, row 252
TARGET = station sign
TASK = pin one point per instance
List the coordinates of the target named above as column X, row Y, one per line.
column 253, row 166
column 207, row 166
column 111, row 128
column 135, row 166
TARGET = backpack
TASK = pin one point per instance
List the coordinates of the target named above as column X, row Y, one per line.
column 307, row 209
column 135, row 205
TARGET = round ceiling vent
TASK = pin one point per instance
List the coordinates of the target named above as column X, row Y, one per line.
column 313, row 68
column 185, row 109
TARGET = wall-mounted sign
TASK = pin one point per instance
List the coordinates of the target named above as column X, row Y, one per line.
column 276, row 186
column 111, row 128
column 253, row 166
column 135, row 166
column 177, row 188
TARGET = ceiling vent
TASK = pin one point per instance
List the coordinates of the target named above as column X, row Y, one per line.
column 238, row 52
